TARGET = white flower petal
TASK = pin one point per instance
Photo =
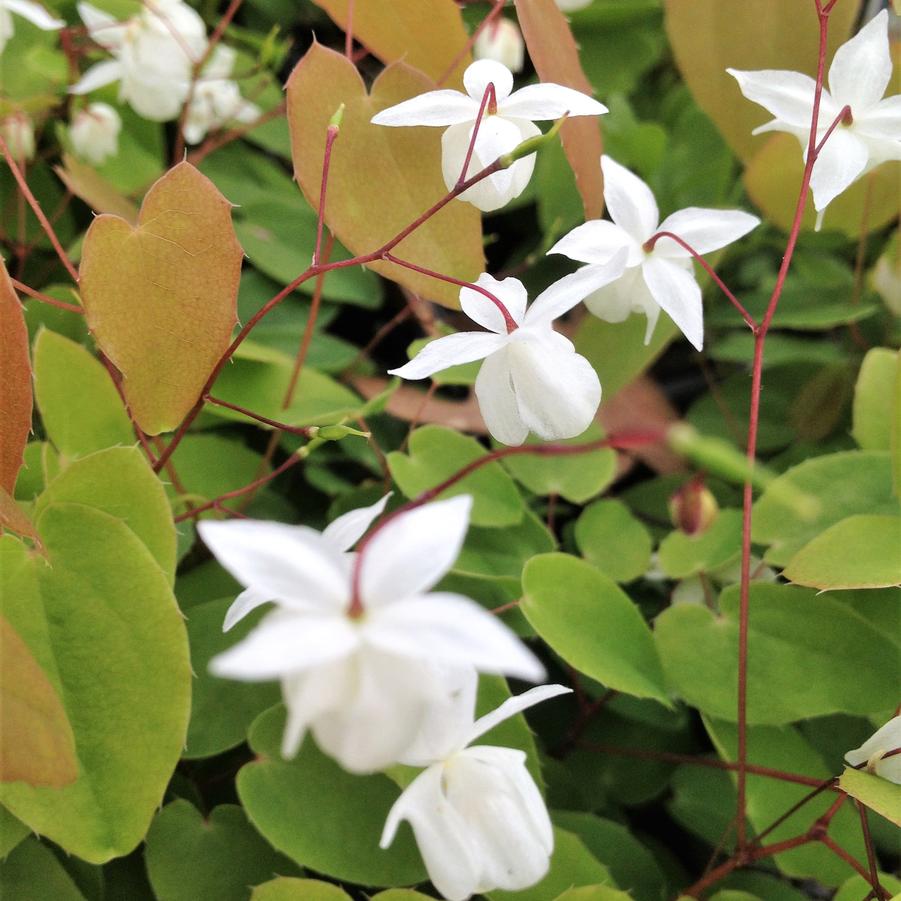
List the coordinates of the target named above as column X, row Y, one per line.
column 287, row 642
column 312, row 693
column 247, row 601
column 497, row 402
column 787, row 95
column 862, row 67
column 678, row 294
column 103, row 28
column 434, row 108
column 98, row 76
column 412, row 552
column 886, row 738
column 480, row 309
column 842, row 160
column 349, row 528
column 597, row 241
column 452, row 350
column 514, row 705
column 883, row 121
column 34, row 13
column 705, row 230
column 287, row 563
column 454, row 629
column 549, row 101
column 629, row 201
column 483, row 72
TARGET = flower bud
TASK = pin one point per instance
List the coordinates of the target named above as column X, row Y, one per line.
column 95, row 133
column 18, row 132
column 693, row 508
column 501, row 41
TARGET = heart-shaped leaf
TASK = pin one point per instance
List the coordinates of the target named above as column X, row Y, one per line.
column 15, row 383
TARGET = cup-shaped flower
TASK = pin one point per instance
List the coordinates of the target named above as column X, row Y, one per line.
column 658, row 275
column 28, row 10
column 478, row 817
column 506, row 123
column 532, row 378
column 94, row 133
column 869, row 134
column 365, row 685
column 873, row 752
column 501, row 40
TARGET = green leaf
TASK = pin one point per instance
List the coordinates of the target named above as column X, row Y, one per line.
column 12, row 831
column 703, row 802
column 342, row 839
column 435, row 453
column 857, row 887
column 401, row 894
column 80, row 407
column 845, row 483
column 190, row 856
column 858, row 552
column 876, row 399
column 592, row 624
column 502, row 553
column 593, row 893
column 221, row 710
column 877, row 793
column 684, row 555
column 575, row 478
column 120, row 482
column 611, row 538
column 103, row 624
column 33, row 873
column 808, row 656
column 290, row 889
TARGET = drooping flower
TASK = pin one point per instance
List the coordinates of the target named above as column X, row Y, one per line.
column 95, row 133
column 501, row 40
column 655, row 278
column 873, row 752
column 216, row 98
column 154, row 53
column 28, row 10
column 365, row 683
column 532, row 378
column 505, row 125
column 18, row 132
column 868, row 135
column 477, row 815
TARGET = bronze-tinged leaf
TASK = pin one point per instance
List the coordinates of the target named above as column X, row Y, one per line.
column 94, row 190
column 15, row 383
column 14, row 519
column 707, row 36
column 381, row 179
column 556, row 58
column 161, row 298
column 426, row 34
column 36, row 741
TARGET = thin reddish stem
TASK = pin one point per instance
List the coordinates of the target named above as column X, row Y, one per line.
column 843, row 116
column 825, row 785
column 849, row 859
column 349, row 32
column 46, row 298
column 220, row 140
column 868, row 844
column 330, row 136
column 304, row 432
column 489, row 99
column 493, row 13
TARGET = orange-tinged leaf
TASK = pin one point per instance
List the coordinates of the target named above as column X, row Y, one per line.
column 36, row 741
column 161, row 298
column 14, row 519
column 556, row 58
column 94, row 190
column 15, row 383
column 426, row 34
column 709, row 35
column 773, row 177
column 381, row 179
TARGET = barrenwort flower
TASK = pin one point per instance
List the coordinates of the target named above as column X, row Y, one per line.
column 94, row 133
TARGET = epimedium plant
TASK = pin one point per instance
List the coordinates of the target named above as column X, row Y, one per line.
column 211, row 511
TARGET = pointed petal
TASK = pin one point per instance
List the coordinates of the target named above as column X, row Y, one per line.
column 787, row 95
column 596, row 242
column 564, row 294
column 678, row 294
column 549, row 101
column 862, row 67
column 497, row 402
column 453, row 629
column 705, row 230
column 452, row 350
column 98, row 76
column 244, row 603
column 883, row 121
column 287, row 642
column 413, row 551
column 34, row 13
column 629, row 201
column 439, row 108
column 483, row 72
column 840, row 163
column 310, row 694
column 348, row 529
column 480, row 309
column 885, row 738
column 514, row 705
column 287, row 563
column 103, row 28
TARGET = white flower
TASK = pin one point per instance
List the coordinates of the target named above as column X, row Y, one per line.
column 532, row 378
column 366, row 685
column 18, row 132
column 501, row 40
column 216, row 99
column 32, row 12
column 872, row 752
column 655, row 279
column 858, row 77
column 478, row 817
column 154, row 53
column 502, row 128
column 95, row 133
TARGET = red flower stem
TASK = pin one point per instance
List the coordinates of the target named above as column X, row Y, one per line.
column 709, row 270
column 852, row 862
column 219, row 30
column 38, row 212
column 489, row 99
column 281, row 426
column 493, row 13
column 195, row 157
column 330, row 136
column 46, row 298
column 868, row 843
column 843, row 116
column 826, row 785
column 509, row 321
column 349, row 32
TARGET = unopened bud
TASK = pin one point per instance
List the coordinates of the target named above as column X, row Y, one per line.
column 18, row 132
column 501, row 40
column 337, row 116
column 335, row 432
column 693, row 508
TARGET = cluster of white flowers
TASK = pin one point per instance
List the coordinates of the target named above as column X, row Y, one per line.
column 382, row 671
